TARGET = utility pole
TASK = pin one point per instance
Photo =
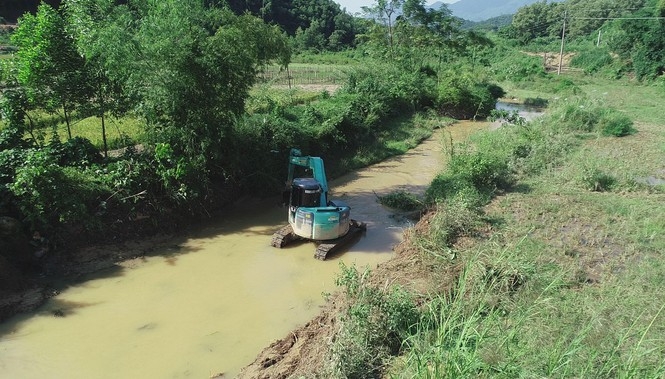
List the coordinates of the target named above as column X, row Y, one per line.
column 563, row 41
column 598, row 43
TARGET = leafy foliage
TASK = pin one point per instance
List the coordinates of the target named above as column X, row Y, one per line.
column 614, row 123
column 465, row 97
column 592, row 60
column 401, row 200
column 315, row 24
column 640, row 42
column 596, row 180
column 374, row 325
column 44, row 193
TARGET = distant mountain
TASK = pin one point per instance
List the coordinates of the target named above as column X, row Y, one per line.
column 480, row 10
column 492, row 24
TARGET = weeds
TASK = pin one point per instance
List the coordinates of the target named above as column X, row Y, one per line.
column 373, row 326
column 402, row 200
column 596, row 180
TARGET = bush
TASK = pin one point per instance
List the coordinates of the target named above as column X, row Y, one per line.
column 582, row 115
column 374, row 325
column 462, row 97
column 77, row 151
column 592, row 60
column 509, row 65
column 615, row 124
column 578, row 114
column 49, row 195
column 450, row 223
column 455, row 189
column 484, row 169
column 596, row 180
column 401, row 200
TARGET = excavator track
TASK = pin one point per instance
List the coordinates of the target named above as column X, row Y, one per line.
column 329, row 247
column 283, row 237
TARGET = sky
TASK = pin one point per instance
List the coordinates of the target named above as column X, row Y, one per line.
column 353, row 6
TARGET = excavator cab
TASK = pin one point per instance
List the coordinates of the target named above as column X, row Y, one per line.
column 305, row 192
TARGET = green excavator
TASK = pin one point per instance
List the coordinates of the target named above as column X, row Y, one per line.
column 311, row 215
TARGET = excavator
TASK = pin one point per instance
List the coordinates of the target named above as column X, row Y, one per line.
column 311, row 215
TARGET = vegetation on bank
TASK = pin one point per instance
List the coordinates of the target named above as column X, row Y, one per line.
column 561, row 277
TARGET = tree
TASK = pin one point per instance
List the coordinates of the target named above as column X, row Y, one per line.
column 417, row 32
column 537, row 20
column 49, row 68
column 384, row 11
column 188, row 69
column 641, row 42
column 103, row 34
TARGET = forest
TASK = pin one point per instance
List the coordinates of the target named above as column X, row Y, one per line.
column 120, row 119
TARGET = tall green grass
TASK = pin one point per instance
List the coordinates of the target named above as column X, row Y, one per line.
column 563, row 276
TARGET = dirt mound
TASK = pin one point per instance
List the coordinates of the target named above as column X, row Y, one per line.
column 552, row 60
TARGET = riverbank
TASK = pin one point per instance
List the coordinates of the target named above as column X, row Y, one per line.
column 561, row 278
column 77, row 254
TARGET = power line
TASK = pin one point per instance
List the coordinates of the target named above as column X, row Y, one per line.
column 617, row 18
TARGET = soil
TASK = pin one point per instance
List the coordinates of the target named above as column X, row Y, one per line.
column 552, row 60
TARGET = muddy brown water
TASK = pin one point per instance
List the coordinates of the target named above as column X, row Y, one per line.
column 210, row 306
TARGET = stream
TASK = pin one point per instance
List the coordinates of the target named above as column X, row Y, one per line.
column 210, row 304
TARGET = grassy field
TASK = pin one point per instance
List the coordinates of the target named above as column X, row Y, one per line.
column 567, row 281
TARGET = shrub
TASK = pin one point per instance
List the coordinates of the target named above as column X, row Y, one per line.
column 596, row 180
column 450, row 222
column 536, row 102
column 49, row 195
column 374, row 325
column 592, row 60
column 577, row 115
column 77, row 151
column 401, row 200
column 484, row 169
column 516, row 67
column 615, row 124
column 462, row 97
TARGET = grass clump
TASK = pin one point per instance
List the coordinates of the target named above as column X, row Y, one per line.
column 401, row 200
column 616, row 124
column 373, row 325
column 594, row 179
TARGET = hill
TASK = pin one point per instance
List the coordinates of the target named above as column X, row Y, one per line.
column 479, row 10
